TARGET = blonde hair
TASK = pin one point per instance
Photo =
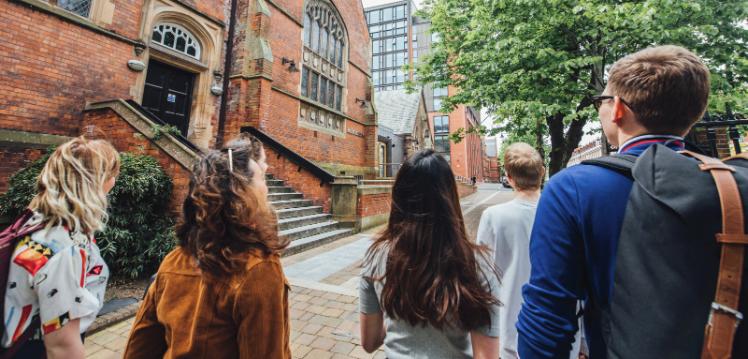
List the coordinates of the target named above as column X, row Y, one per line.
column 524, row 164
column 70, row 188
column 667, row 87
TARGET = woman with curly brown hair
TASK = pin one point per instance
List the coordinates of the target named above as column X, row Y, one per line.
column 222, row 292
column 436, row 289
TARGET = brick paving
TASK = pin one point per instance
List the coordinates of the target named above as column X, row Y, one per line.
column 323, row 325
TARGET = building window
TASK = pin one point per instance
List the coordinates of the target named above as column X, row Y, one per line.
column 439, row 93
column 441, row 135
column 78, row 7
column 176, row 38
column 323, row 74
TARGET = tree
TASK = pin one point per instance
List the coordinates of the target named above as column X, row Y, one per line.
column 535, row 63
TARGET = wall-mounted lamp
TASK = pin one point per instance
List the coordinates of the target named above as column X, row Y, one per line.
column 217, row 88
column 361, row 102
column 139, row 48
column 136, row 65
column 292, row 64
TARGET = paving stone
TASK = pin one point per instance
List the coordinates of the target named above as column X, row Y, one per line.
column 318, row 354
column 323, row 343
column 342, row 348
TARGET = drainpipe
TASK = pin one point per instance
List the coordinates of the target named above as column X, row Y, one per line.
column 227, row 75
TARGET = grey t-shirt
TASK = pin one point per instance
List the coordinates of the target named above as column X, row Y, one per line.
column 404, row 341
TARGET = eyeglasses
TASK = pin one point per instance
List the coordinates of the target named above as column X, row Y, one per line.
column 597, row 101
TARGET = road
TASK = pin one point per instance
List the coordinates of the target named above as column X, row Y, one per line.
column 323, row 298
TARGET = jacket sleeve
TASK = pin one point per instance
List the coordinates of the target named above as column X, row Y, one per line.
column 261, row 313
column 147, row 337
column 547, row 321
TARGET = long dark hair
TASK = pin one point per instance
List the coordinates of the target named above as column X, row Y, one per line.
column 432, row 274
column 224, row 214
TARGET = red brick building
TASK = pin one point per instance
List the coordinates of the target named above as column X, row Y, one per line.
column 294, row 72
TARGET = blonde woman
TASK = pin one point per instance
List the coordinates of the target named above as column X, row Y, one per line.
column 221, row 293
column 57, row 278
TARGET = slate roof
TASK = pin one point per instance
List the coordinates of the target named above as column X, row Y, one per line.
column 397, row 110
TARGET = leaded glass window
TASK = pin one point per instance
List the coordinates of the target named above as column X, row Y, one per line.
column 323, row 73
column 78, row 7
column 176, row 38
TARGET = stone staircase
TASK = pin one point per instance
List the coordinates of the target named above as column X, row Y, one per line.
column 306, row 225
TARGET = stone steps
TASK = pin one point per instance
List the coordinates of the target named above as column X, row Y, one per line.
column 304, row 224
column 298, row 212
column 290, row 223
column 306, row 243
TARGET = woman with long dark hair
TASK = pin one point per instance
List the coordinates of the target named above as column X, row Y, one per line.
column 221, row 293
column 435, row 288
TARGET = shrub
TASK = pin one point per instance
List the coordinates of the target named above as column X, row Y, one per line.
column 139, row 232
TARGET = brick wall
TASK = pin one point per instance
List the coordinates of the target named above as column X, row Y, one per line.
column 302, row 180
column 126, row 138
column 374, row 204
column 50, row 68
column 273, row 106
column 14, row 158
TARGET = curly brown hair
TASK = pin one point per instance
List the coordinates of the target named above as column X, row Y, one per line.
column 225, row 215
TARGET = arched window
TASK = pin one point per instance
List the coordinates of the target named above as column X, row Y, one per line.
column 176, row 38
column 323, row 73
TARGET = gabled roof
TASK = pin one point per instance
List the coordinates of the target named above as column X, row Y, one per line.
column 397, row 110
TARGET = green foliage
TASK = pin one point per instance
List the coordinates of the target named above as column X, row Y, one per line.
column 139, row 232
column 159, row 131
column 530, row 60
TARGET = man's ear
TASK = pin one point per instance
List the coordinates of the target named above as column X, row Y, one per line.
column 619, row 110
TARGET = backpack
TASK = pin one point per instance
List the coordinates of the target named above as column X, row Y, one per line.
column 8, row 240
column 677, row 284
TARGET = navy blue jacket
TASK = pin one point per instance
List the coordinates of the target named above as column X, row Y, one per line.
column 572, row 251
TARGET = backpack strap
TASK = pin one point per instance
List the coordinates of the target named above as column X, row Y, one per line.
column 724, row 317
column 618, row 163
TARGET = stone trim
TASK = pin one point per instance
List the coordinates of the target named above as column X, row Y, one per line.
column 312, row 103
column 78, row 20
column 170, row 145
column 370, row 190
column 31, row 139
column 251, row 77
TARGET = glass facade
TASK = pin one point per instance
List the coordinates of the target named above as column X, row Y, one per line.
column 388, row 27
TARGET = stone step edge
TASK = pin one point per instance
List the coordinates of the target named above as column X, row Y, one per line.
column 322, row 238
column 297, row 209
column 305, row 228
column 300, row 219
column 110, row 319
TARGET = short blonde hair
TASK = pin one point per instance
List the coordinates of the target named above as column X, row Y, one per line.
column 667, row 87
column 524, row 164
column 70, row 188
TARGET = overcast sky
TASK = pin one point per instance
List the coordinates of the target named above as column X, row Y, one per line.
column 368, row 3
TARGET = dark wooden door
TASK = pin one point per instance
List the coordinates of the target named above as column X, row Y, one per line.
column 168, row 94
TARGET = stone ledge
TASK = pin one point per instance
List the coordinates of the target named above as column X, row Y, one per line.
column 109, row 319
column 370, row 190
column 31, row 139
column 170, row 145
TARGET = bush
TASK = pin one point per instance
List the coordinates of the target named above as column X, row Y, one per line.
column 139, row 232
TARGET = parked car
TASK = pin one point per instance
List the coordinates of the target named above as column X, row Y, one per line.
column 505, row 182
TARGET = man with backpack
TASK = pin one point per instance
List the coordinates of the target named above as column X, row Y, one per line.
column 644, row 236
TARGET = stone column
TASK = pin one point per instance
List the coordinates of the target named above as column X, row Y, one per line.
column 344, row 199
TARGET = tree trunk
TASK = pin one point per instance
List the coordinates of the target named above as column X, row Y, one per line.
column 539, row 142
column 563, row 144
column 556, row 130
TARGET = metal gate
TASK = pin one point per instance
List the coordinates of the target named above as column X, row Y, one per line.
column 718, row 135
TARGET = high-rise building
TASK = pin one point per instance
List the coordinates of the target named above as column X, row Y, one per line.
column 399, row 38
